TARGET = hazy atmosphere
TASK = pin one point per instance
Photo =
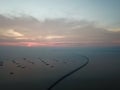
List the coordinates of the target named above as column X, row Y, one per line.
column 59, row 44
column 59, row 22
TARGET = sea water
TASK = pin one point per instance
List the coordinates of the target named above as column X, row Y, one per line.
column 37, row 68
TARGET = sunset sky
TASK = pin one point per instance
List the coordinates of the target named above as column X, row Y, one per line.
column 59, row 23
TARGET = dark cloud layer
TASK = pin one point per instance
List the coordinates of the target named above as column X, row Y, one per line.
column 59, row 31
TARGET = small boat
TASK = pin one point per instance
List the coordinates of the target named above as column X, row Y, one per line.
column 24, row 58
column 1, row 63
column 11, row 73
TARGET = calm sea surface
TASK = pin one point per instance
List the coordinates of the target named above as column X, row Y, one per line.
column 38, row 68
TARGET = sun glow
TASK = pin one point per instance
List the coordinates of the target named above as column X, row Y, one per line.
column 37, row 44
column 31, row 44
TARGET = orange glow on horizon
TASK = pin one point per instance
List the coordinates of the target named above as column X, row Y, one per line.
column 29, row 44
column 47, row 44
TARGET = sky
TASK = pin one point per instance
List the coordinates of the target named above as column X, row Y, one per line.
column 59, row 22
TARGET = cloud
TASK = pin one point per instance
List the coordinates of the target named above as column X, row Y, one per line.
column 55, row 31
column 54, row 37
column 12, row 33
